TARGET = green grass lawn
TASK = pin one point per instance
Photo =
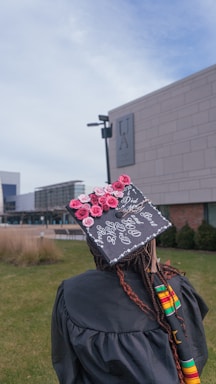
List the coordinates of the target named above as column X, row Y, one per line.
column 27, row 297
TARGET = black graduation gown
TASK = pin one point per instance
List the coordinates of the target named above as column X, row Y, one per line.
column 99, row 336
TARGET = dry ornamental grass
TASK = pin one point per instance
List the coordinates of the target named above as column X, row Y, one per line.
column 22, row 248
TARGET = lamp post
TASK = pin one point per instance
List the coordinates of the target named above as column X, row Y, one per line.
column 48, row 205
column 106, row 132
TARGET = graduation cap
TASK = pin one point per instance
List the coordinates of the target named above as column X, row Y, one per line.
column 118, row 218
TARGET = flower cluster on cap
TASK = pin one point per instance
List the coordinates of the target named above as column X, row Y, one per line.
column 89, row 207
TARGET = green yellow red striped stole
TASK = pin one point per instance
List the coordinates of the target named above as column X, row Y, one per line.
column 170, row 304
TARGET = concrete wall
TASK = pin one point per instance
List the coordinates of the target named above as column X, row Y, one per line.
column 24, row 202
column 11, row 178
column 175, row 141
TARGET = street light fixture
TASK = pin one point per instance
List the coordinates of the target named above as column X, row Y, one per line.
column 106, row 132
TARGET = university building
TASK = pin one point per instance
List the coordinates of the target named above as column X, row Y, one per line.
column 166, row 142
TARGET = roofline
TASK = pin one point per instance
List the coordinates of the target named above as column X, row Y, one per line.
column 59, row 184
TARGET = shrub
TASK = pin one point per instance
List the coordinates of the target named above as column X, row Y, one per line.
column 185, row 237
column 24, row 249
column 205, row 237
column 167, row 239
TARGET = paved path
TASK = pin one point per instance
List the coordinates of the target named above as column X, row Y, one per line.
column 38, row 230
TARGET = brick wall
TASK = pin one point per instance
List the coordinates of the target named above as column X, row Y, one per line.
column 180, row 214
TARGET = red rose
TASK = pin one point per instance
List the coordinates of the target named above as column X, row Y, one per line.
column 102, row 200
column 75, row 204
column 125, row 179
column 96, row 211
column 81, row 213
column 94, row 199
column 112, row 202
column 118, row 186
column 105, row 207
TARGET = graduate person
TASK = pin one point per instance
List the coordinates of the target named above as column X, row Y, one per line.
column 132, row 320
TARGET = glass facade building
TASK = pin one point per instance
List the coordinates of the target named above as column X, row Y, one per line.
column 56, row 196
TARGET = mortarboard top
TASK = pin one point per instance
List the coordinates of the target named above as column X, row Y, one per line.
column 118, row 218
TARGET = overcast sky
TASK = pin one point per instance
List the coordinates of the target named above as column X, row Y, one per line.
column 63, row 62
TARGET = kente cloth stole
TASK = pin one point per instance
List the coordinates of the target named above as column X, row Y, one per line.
column 170, row 303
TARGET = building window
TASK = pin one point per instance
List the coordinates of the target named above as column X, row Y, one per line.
column 164, row 209
column 9, row 190
column 10, row 206
column 211, row 214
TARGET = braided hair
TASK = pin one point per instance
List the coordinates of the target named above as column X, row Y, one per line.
column 140, row 261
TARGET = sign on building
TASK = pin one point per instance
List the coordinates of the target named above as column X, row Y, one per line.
column 125, row 152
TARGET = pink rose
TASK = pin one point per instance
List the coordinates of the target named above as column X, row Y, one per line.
column 112, row 202
column 84, row 198
column 118, row 186
column 75, row 204
column 96, row 211
column 86, row 206
column 125, row 179
column 108, row 189
column 81, row 213
column 118, row 194
column 99, row 191
column 93, row 199
column 88, row 222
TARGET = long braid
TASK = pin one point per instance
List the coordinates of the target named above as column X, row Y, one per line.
column 140, row 262
column 132, row 295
